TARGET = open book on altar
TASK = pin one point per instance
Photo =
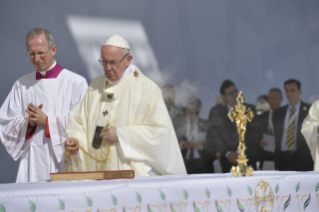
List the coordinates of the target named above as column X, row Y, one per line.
column 99, row 175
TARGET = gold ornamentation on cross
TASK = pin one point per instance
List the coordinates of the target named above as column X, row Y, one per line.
column 241, row 115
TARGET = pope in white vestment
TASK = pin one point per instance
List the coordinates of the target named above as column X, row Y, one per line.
column 309, row 131
column 134, row 106
column 41, row 147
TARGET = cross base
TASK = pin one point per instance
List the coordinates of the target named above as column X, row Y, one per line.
column 242, row 167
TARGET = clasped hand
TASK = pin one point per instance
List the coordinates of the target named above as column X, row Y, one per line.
column 36, row 115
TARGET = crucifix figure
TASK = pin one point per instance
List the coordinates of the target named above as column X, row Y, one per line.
column 241, row 115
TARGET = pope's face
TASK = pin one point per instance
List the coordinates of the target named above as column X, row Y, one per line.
column 114, row 54
column 38, row 45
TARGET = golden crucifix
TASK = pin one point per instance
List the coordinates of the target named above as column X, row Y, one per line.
column 240, row 115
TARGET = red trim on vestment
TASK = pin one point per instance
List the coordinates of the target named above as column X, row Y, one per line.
column 47, row 129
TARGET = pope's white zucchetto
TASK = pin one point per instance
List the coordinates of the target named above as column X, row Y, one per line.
column 117, row 41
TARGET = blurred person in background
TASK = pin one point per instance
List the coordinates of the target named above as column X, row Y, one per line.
column 191, row 133
column 266, row 125
column 175, row 112
column 291, row 150
column 219, row 100
column 222, row 135
column 33, row 117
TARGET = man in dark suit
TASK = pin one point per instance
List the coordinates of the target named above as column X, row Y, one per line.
column 191, row 133
column 266, row 125
column 222, row 136
column 291, row 152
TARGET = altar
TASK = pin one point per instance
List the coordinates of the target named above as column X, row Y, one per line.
column 264, row 191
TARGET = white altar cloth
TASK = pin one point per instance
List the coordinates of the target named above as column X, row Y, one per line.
column 265, row 191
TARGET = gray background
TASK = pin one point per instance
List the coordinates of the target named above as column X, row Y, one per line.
column 194, row 45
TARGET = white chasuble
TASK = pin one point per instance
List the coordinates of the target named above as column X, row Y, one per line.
column 309, row 131
column 39, row 155
column 147, row 141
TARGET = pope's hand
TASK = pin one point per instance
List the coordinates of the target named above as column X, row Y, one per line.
column 109, row 135
column 36, row 115
column 73, row 147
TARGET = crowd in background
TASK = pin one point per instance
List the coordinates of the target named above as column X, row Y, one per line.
column 216, row 139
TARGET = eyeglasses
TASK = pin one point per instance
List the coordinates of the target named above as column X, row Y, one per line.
column 232, row 92
column 33, row 54
column 112, row 62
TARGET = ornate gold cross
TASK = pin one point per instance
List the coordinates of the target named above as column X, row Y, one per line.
column 240, row 115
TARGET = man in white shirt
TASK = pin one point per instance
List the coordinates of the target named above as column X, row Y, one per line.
column 34, row 115
column 291, row 150
column 191, row 133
